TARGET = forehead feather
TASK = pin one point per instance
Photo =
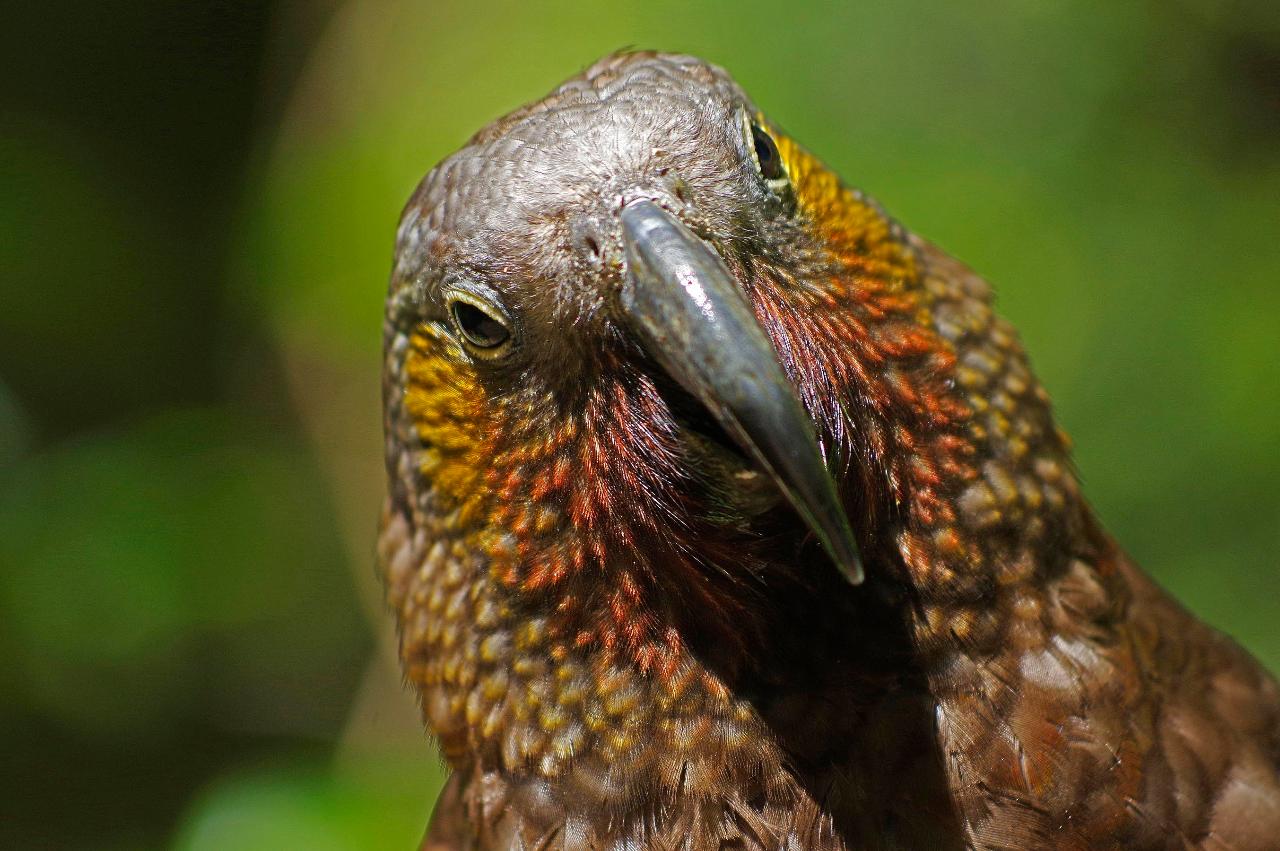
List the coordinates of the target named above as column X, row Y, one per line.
column 515, row 184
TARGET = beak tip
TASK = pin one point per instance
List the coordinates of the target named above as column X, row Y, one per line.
column 849, row 561
column 853, row 572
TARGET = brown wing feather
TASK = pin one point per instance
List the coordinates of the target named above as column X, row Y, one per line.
column 449, row 830
column 1137, row 727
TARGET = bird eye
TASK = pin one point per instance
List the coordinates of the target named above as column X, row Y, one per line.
column 764, row 152
column 482, row 327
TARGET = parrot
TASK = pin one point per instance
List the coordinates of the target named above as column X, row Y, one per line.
column 724, row 512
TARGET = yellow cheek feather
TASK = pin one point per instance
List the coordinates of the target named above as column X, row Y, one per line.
column 847, row 223
column 449, row 408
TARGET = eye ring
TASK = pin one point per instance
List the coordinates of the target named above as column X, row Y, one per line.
column 484, row 328
column 765, row 155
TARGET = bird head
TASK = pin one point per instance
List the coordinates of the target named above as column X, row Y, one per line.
column 654, row 374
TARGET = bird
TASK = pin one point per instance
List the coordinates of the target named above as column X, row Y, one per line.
column 723, row 511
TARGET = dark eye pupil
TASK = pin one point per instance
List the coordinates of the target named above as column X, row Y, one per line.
column 767, row 154
column 478, row 327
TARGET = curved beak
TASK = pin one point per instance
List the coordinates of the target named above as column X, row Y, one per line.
column 693, row 318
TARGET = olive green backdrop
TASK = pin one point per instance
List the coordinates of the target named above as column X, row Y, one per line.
column 198, row 204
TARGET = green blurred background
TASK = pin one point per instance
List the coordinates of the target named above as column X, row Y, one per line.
column 198, row 204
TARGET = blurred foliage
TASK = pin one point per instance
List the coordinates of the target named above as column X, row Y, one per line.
column 198, row 209
column 308, row 806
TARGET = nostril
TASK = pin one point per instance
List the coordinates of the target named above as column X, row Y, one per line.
column 586, row 240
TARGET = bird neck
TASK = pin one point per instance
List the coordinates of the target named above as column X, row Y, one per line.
column 550, row 728
column 990, row 508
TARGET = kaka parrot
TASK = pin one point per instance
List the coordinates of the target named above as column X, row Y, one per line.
column 724, row 512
